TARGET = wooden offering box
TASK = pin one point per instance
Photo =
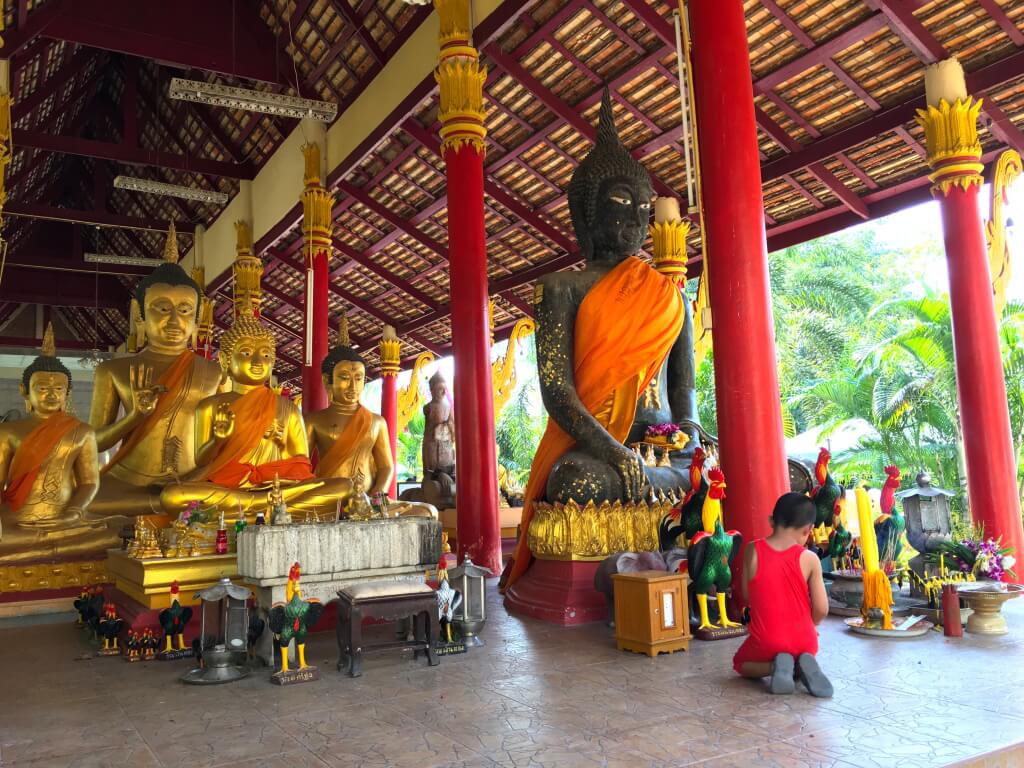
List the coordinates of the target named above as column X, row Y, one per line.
column 652, row 615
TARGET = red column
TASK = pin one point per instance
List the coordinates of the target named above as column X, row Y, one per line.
column 460, row 79
column 479, row 535
column 984, row 415
column 314, row 394
column 389, row 410
column 746, row 383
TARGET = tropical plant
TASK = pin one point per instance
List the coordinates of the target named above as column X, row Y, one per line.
column 410, row 444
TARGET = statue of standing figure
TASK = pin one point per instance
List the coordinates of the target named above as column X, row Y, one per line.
column 438, row 431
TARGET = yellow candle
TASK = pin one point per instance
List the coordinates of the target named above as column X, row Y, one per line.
column 868, row 543
column 942, row 564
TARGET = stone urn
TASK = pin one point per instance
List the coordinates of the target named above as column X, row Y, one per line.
column 847, row 588
column 986, row 600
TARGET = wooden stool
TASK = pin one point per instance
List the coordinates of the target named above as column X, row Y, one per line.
column 388, row 601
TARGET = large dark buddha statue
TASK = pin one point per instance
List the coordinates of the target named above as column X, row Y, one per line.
column 614, row 346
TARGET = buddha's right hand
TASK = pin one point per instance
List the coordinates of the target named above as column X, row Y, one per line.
column 630, row 469
column 223, row 421
column 144, row 393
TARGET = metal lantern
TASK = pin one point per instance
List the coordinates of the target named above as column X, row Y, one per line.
column 926, row 509
column 470, row 580
column 222, row 653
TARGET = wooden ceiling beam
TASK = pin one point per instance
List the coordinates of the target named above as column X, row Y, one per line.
column 96, row 218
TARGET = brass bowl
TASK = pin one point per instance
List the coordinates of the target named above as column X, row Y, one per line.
column 987, row 604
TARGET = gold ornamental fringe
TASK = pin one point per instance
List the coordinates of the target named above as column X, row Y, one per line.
column 503, row 370
column 390, row 352
column 877, row 594
column 592, row 532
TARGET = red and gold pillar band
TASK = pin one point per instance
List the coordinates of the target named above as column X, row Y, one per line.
column 461, row 79
column 954, row 154
column 390, row 365
column 317, row 204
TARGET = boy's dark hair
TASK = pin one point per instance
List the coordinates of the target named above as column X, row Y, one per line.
column 793, row 510
column 339, row 355
column 166, row 274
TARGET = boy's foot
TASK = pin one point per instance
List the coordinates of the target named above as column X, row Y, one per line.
column 782, row 674
column 811, row 676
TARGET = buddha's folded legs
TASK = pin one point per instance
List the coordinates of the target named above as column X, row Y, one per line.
column 581, row 477
column 307, row 497
column 76, row 541
column 116, row 497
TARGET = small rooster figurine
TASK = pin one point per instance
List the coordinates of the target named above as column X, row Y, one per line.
column 890, row 525
column 711, row 553
column 109, row 627
column 149, row 643
column 825, row 495
column 840, row 542
column 133, row 646
column 173, row 620
column 294, row 618
column 448, row 601
column 90, row 607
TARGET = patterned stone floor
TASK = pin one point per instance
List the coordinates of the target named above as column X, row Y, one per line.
column 533, row 696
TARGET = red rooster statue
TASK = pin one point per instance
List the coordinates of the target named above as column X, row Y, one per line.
column 890, row 525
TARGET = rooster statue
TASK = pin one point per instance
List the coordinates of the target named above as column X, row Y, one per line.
column 711, row 553
column 173, row 619
column 684, row 519
column 109, row 627
column 293, row 619
column 825, row 495
column 90, row 607
column 890, row 525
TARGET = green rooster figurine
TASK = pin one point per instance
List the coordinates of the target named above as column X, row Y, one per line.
column 825, row 496
column 293, row 619
column 890, row 525
column 711, row 554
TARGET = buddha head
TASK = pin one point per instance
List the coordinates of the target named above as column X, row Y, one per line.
column 46, row 383
column 610, row 196
column 438, row 387
column 247, row 352
column 344, row 373
column 168, row 300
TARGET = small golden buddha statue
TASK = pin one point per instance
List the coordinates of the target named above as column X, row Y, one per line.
column 49, row 473
column 351, row 441
column 156, row 390
column 250, row 435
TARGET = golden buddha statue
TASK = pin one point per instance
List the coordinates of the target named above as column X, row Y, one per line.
column 156, row 391
column 49, row 473
column 246, row 437
column 351, row 441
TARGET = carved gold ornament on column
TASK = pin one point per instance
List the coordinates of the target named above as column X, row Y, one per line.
column 460, row 80
column 951, row 141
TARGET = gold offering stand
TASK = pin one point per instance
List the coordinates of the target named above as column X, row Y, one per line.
column 648, row 448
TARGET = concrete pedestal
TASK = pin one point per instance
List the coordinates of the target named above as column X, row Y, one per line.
column 333, row 555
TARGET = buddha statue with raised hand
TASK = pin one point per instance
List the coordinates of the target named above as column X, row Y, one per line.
column 247, row 437
column 49, row 473
column 155, row 391
column 614, row 347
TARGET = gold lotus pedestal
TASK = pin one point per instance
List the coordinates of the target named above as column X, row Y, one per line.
column 593, row 531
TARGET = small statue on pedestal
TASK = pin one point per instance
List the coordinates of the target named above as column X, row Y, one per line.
column 448, row 602
column 108, row 627
column 293, row 619
column 711, row 555
column 275, row 503
column 173, row 620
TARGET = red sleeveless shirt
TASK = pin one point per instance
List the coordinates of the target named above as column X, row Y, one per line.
column 780, row 608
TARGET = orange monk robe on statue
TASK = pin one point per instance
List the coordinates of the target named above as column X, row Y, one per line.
column 346, row 453
column 32, row 454
column 616, row 353
column 247, row 457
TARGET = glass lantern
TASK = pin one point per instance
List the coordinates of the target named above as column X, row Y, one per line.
column 470, row 580
column 223, row 634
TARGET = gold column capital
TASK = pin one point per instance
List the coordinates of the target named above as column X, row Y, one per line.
column 317, row 206
column 952, row 144
column 669, row 240
column 390, row 352
column 454, row 18
column 460, row 80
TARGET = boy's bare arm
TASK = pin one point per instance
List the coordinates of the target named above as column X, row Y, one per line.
column 816, row 585
column 749, row 569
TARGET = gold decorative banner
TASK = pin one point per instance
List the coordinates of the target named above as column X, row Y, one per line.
column 410, row 398
column 503, row 370
column 1008, row 168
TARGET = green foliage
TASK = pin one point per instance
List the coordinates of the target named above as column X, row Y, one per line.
column 522, row 423
column 410, row 443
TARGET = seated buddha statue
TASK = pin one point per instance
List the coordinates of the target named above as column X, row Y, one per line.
column 251, row 435
column 147, row 401
column 351, row 441
column 49, row 473
column 614, row 347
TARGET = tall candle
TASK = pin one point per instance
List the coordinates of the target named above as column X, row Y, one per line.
column 868, row 543
column 944, row 80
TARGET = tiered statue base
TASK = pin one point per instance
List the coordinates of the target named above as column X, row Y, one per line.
column 148, row 581
column 293, row 676
column 558, row 592
column 37, row 588
column 568, row 542
column 333, row 555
